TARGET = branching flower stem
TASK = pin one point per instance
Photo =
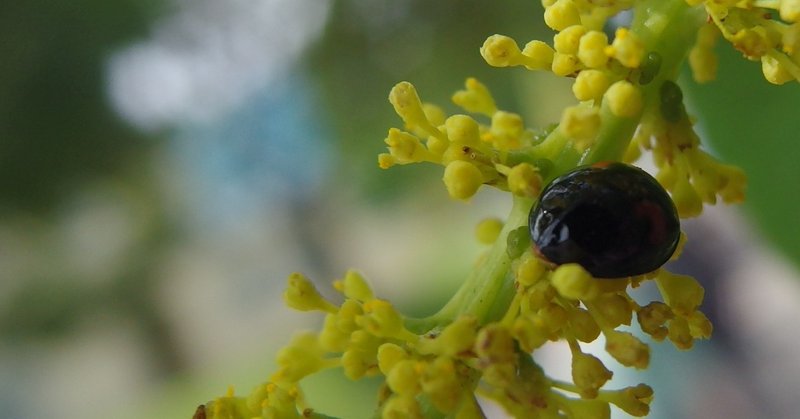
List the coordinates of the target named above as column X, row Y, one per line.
column 666, row 28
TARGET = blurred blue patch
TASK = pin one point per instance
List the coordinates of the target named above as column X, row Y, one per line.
column 273, row 148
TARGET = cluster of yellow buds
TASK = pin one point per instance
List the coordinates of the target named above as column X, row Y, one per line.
column 447, row 365
column 472, row 153
column 481, row 342
column 763, row 30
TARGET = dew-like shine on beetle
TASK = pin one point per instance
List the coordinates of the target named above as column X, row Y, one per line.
column 613, row 219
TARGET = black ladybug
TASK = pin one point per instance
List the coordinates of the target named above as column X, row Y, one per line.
column 613, row 219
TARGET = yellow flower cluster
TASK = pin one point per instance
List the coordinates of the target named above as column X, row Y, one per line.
column 691, row 175
column 482, row 340
column 763, row 30
column 472, row 153
column 602, row 71
column 446, row 366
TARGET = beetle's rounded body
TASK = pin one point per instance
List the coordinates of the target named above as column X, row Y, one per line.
column 613, row 219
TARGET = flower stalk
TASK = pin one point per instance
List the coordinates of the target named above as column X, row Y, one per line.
column 513, row 302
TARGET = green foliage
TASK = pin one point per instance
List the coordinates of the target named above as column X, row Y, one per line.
column 56, row 128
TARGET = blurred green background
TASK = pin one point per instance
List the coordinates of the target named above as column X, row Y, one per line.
column 165, row 165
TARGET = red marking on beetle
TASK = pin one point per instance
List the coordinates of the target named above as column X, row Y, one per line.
column 603, row 164
column 658, row 224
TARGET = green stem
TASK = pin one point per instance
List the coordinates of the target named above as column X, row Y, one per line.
column 668, row 29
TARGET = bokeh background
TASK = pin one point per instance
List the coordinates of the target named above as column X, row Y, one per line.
column 165, row 164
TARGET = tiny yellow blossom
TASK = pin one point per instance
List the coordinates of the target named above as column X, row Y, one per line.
column 567, row 41
column 539, row 56
column 529, row 270
column 462, row 179
column 573, row 282
column 475, row 98
column 627, row 349
column 588, row 373
column 301, row 294
column 565, row 64
column 790, row 10
column 407, row 104
column 501, row 51
column 581, row 123
column 774, row 71
column 624, row 99
column 488, row 230
column 590, row 85
column 524, row 180
column 626, row 48
column 562, row 14
column 681, row 292
column 406, row 148
column 592, row 49
column 635, row 401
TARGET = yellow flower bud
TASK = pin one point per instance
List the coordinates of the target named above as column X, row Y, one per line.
column 562, row 14
column 402, row 407
column 573, row 282
column 524, row 180
column 590, row 85
column 404, row 377
column 624, row 99
column 774, row 71
column 538, row 55
column 635, row 401
column 488, row 230
column 704, row 64
column 753, row 42
column 494, row 345
column 501, row 51
column 790, row 10
column 583, row 325
column 406, row 103
column 581, row 123
column 458, row 337
column 302, row 357
column 463, row 130
column 462, row 179
column 687, row 201
column 681, row 292
column 652, row 319
column 566, row 41
column 614, row 309
column 331, row 337
column 475, row 98
column 565, row 64
column 441, row 383
column 699, row 325
column 382, row 319
column 390, row 355
column 301, row 294
column 679, row 333
column 592, row 49
column 627, row 349
column 360, row 358
column 355, row 287
column 530, row 270
column 531, row 332
column 626, row 48
column 791, row 39
column 588, row 373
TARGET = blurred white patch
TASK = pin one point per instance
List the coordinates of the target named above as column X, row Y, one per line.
column 209, row 57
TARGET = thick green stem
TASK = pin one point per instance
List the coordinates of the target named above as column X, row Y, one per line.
column 667, row 28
